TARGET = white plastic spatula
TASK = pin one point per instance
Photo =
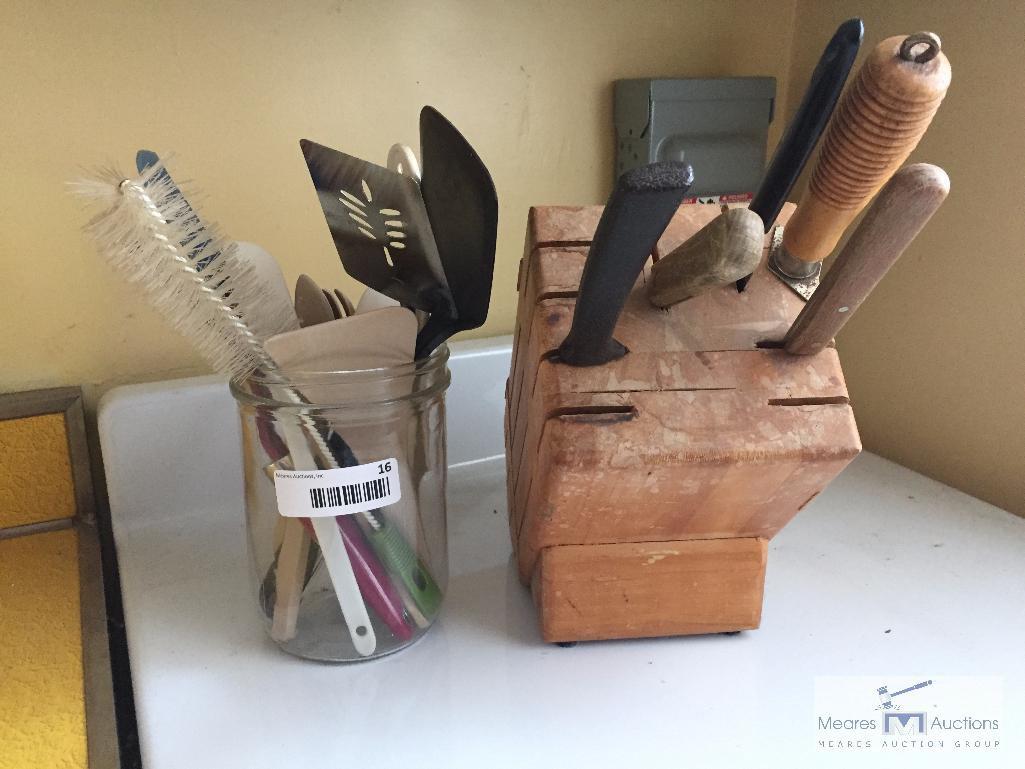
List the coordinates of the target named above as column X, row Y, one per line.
column 329, row 538
column 376, row 339
column 373, row 300
column 269, row 272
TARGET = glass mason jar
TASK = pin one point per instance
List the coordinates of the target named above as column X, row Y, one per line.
column 345, row 505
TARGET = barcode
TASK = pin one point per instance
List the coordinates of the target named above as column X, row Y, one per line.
column 350, row 493
column 338, row 490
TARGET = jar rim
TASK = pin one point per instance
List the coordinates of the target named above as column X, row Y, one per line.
column 247, row 389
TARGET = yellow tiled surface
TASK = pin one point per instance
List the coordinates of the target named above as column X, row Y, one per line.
column 42, row 710
column 35, row 471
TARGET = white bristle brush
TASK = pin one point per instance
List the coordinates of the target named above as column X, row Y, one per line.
column 153, row 238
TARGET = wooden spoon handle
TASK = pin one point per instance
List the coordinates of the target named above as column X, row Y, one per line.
column 879, row 121
column 899, row 213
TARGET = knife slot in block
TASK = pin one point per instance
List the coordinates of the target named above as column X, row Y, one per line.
column 557, row 295
column 835, row 400
column 595, row 414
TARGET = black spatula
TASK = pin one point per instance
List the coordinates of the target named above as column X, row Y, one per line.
column 380, row 228
column 463, row 209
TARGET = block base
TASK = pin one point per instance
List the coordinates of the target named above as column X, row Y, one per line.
column 648, row 589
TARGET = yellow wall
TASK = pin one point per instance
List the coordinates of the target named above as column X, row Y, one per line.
column 935, row 359
column 230, row 87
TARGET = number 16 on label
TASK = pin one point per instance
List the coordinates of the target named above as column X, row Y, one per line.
column 341, row 491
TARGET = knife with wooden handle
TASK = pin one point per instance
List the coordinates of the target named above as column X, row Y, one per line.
column 824, row 87
column 899, row 213
column 637, row 213
column 879, row 121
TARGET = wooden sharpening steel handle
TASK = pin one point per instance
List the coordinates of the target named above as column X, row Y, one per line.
column 880, row 119
column 900, row 212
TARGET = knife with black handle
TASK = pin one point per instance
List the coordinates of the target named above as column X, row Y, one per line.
column 637, row 213
column 794, row 149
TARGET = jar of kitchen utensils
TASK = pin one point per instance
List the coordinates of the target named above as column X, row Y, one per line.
column 345, row 505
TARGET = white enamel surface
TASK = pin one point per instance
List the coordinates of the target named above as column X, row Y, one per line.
column 882, row 549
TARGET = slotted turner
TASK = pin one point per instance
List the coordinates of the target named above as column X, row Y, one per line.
column 380, row 228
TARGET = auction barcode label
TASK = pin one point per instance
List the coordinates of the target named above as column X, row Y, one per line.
column 341, row 491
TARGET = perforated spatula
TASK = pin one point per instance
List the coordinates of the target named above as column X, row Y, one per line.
column 463, row 208
column 380, row 228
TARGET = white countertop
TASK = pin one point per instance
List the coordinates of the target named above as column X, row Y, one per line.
column 886, row 574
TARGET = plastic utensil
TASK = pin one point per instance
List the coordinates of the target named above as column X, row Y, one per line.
column 311, row 305
column 380, row 228
column 401, row 160
column 462, row 205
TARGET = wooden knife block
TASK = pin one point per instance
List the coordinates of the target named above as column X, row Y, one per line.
column 643, row 492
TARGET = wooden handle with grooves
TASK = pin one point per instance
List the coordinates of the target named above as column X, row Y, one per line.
column 903, row 208
column 880, row 119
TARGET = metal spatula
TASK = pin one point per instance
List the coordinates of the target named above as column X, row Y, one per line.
column 380, row 228
column 463, row 208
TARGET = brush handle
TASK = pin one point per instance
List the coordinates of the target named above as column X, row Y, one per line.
column 291, row 569
column 899, row 213
column 329, row 538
